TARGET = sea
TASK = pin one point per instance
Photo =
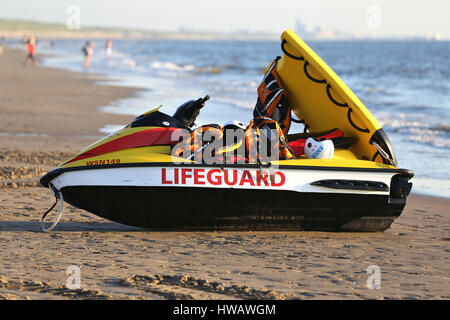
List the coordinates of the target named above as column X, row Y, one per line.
column 405, row 84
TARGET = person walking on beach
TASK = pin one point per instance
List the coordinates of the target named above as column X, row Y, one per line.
column 31, row 47
column 108, row 49
column 88, row 50
column 2, row 45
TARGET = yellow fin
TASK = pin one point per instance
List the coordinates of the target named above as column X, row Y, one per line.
column 151, row 111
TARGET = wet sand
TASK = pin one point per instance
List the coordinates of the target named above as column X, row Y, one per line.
column 46, row 115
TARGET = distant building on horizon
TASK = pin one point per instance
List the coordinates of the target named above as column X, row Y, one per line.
column 436, row 36
column 321, row 32
column 302, row 30
column 317, row 32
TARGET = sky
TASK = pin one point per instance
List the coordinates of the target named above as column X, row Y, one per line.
column 383, row 18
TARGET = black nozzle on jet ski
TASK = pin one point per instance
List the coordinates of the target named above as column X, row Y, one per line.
column 188, row 111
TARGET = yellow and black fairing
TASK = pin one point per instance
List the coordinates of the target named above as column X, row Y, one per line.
column 145, row 140
column 148, row 139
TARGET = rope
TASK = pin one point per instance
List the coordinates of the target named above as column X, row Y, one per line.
column 286, row 145
column 306, row 126
column 309, row 76
column 297, row 120
column 287, row 53
column 383, row 154
column 376, row 154
column 58, row 196
column 349, row 117
column 344, row 105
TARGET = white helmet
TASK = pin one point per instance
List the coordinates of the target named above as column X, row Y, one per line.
column 234, row 124
column 319, row 149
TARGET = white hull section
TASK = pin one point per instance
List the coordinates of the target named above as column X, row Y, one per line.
column 201, row 177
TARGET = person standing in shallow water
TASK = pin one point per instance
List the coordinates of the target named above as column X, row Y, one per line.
column 31, row 47
column 108, row 49
column 88, row 50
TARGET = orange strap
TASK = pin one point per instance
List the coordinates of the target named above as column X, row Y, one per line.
column 272, row 100
column 253, row 139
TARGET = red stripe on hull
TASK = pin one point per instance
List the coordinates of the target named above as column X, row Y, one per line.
column 150, row 137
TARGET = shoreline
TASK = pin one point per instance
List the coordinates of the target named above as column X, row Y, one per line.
column 55, row 95
column 122, row 262
column 49, row 114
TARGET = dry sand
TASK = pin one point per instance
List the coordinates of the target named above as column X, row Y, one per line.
column 120, row 262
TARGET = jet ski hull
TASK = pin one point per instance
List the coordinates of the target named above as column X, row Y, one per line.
column 233, row 209
column 212, row 198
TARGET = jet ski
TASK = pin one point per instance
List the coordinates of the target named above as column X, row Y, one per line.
column 132, row 176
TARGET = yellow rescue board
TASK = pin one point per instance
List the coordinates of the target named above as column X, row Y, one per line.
column 319, row 97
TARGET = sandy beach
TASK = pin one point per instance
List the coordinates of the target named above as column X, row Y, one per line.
column 46, row 115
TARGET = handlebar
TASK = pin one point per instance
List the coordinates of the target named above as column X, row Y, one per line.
column 187, row 113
